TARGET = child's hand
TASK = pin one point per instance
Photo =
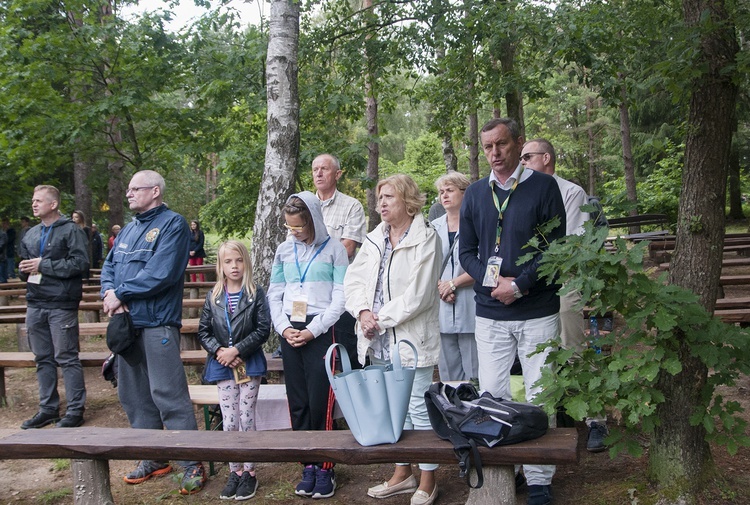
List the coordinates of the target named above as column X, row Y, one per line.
column 228, row 356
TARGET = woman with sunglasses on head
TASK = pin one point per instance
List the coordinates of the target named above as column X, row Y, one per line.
column 306, row 297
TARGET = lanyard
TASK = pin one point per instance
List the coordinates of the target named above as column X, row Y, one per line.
column 229, row 310
column 296, row 260
column 501, row 208
column 46, row 230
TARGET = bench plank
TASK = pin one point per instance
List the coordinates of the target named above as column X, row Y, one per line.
column 558, row 446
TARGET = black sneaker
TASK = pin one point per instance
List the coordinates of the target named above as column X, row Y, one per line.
column 70, row 421
column 325, row 484
column 247, row 488
column 40, row 420
column 193, row 479
column 539, row 495
column 307, row 484
column 230, row 490
column 597, row 434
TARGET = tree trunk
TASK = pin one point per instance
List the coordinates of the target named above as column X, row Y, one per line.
column 449, row 154
column 592, row 144
column 116, row 171
column 373, row 145
column 473, row 146
column 81, row 171
column 680, row 458
column 282, row 149
column 627, row 150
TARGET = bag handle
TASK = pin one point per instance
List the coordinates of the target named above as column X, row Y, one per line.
column 346, row 365
column 396, row 359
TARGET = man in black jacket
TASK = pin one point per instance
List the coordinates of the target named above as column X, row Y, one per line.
column 54, row 258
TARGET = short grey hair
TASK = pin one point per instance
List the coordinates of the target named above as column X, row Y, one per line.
column 153, row 179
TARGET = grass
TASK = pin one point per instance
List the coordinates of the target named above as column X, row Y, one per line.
column 58, row 465
column 56, row 496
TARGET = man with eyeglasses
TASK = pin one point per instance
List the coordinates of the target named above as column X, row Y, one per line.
column 539, row 155
column 344, row 218
column 515, row 310
column 144, row 275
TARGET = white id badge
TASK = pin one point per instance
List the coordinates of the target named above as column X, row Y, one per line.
column 35, row 278
column 493, row 271
column 299, row 309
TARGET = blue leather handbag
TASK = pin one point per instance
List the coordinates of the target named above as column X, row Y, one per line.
column 374, row 400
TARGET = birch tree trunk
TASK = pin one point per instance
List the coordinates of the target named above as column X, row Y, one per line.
column 282, row 147
column 679, row 457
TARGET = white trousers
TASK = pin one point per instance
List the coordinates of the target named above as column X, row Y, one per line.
column 497, row 344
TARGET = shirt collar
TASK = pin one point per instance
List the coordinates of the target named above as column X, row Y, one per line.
column 326, row 203
column 519, row 171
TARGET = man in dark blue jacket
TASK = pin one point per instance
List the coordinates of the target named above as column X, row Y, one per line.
column 515, row 309
column 143, row 275
column 53, row 260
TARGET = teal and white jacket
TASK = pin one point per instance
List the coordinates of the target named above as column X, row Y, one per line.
column 323, row 281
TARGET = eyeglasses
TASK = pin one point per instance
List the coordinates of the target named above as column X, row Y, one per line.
column 291, row 228
column 135, row 190
column 527, row 156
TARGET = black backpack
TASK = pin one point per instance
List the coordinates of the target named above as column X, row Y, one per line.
column 467, row 419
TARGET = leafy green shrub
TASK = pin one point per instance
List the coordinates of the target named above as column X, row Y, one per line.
column 658, row 317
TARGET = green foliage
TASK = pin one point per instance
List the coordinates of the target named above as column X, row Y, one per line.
column 659, row 193
column 423, row 162
column 658, row 318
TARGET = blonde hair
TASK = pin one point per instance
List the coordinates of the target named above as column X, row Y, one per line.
column 247, row 277
column 453, row 178
column 407, row 189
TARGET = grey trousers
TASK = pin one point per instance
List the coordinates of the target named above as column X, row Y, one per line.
column 152, row 386
column 53, row 338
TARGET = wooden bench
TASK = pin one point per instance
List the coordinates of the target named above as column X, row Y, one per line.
column 92, row 448
column 634, row 223
column 96, row 358
column 19, row 311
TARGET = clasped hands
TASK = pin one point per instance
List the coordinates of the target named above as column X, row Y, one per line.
column 369, row 324
column 228, row 356
column 297, row 338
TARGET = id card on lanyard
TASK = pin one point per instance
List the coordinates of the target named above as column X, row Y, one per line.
column 494, row 262
column 299, row 302
column 36, row 277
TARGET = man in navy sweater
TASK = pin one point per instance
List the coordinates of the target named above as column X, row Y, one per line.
column 515, row 309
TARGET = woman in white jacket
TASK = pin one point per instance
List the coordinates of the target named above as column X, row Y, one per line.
column 390, row 289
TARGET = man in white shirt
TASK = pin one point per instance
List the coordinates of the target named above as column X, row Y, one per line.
column 539, row 155
column 344, row 217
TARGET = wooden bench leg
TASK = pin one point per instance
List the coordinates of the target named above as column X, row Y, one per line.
column 499, row 486
column 91, row 482
column 3, row 397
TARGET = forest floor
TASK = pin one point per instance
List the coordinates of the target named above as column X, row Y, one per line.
column 596, row 480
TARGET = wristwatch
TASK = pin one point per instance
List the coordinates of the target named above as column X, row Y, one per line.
column 453, row 286
column 516, row 292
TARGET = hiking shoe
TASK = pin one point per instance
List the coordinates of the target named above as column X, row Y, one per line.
column 230, row 490
column 145, row 470
column 40, row 420
column 70, row 421
column 247, row 488
column 193, row 479
column 597, row 434
column 307, row 484
column 539, row 495
column 325, row 484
